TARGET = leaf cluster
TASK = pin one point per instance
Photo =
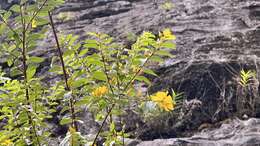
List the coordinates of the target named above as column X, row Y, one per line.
column 99, row 74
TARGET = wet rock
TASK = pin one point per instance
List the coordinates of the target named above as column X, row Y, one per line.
column 6, row 4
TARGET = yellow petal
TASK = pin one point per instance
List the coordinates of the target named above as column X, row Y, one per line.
column 155, row 98
column 168, row 99
column 34, row 25
column 170, row 106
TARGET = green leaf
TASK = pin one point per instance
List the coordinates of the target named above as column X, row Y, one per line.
column 15, row 8
column 84, row 101
column 156, row 59
column 35, row 59
column 15, row 71
column 143, row 79
column 68, row 53
column 66, row 108
column 169, row 45
column 83, row 52
column 164, row 53
column 31, row 70
column 94, row 62
column 99, row 75
column 65, row 121
column 112, row 127
column 10, row 61
column 2, row 11
column 79, row 82
column 150, row 72
column 92, row 34
column 95, row 46
column 56, row 69
column 16, row 38
column 7, row 15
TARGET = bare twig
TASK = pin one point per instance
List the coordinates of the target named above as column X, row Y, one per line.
column 72, row 99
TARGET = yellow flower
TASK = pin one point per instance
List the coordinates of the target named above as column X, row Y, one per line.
column 167, row 35
column 7, row 142
column 100, row 91
column 164, row 100
column 34, row 25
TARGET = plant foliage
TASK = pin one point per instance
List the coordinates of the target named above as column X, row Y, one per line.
column 103, row 80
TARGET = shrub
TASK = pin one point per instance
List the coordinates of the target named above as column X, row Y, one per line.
column 103, row 80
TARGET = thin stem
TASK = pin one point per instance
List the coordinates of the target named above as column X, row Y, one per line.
column 103, row 124
column 108, row 81
column 72, row 99
column 106, row 72
column 111, row 88
column 118, row 68
column 140, row 68
column 24, row 62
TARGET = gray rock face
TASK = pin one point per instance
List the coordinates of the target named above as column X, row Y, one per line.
column 216, row 39
column 231, row 133
column 5, row 4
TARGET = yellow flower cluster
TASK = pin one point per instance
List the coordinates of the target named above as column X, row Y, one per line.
column 7, row 142
column 100, row 91
column 167, row 35
column 164, row 100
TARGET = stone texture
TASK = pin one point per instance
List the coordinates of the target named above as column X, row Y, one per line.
column 231, row 133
